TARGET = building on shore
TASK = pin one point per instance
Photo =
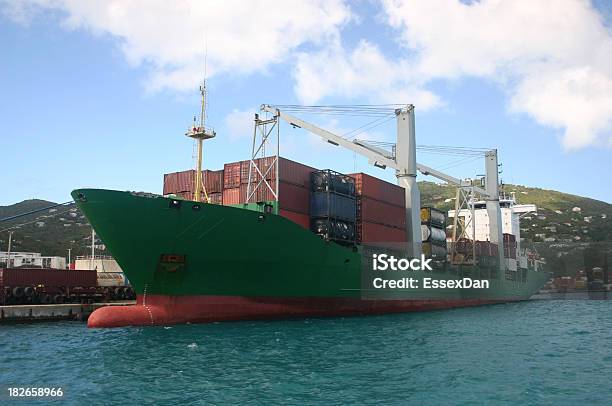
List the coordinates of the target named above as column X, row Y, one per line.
column 30, row 260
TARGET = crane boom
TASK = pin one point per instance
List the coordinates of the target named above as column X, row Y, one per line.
column 376, row 155
column 331, row 137
column 405, row 165
column 426, row 170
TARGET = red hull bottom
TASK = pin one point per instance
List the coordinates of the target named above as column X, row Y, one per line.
column 165, row 310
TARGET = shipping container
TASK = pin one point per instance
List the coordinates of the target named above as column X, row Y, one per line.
column 169, row 186
column 301, row 219
column 334, row 229
column 213, row 180
column 261, row 192
column 231, row 175
column 483, row 248
column 178, row 182
column 233, row 196
column 434, row 251
column 265, row 166
column 290, row 197
column 369, row 186
column 295, row 172
column 215, row 198
column 327, row 204
column 184, row 195
column 290, row 171
column 294, row 197
column 376, row 211
column 329, row 181
column 510, row 249
column 265, row 192
column 378, row 233
column 54, row 277
column 436, row 236
column 433, row 216
column 509, row 237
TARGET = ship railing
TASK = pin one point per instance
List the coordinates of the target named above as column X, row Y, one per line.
column 88, row 257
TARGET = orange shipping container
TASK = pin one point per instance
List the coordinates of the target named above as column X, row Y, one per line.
column 263, row 164
column 290, row 171
column 213, row 180
column 376, row 211
column 185, row 195
column 232, row 196
column 294, row 198
column 291, row 197
column 379, row 189
column 216, row 198
column 231, row 175
column 178, row 182
column 378, row 233
column 295, row 172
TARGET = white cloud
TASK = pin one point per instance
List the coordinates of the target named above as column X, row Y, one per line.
column 364, row 73
column 239, row 124
column 241, row 36
column 554, row 59
column 578, row 100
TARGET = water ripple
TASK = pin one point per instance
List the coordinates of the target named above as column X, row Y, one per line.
column 551, row 352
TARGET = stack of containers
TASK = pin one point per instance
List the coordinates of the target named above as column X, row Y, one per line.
column 213, row 181
column 509, row 246
column 293, row 186
column 433, row 232
column 485, row 250
column 182, row 184
column 381, row 210
column 178, row 182
column 231, row 175
column 333, row 208
column 265, row 165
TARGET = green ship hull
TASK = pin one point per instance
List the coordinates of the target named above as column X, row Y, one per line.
column 198, row 262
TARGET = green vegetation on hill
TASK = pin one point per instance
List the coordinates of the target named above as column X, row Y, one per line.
column 571, row 232
column 50, row 232
column 561, row 217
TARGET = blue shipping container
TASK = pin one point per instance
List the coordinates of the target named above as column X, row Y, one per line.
column 326, row 204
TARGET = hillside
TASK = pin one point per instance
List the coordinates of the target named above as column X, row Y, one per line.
column 50, row 232
column 570, row 231
column 561, row 217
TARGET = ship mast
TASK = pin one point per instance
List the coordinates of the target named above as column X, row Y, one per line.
column 200, row 133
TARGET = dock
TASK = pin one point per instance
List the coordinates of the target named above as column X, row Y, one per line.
column 47, row 312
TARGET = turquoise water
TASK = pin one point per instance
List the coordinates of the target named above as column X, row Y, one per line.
column 539, row 352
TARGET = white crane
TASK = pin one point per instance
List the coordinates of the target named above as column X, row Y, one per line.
column 403, row 160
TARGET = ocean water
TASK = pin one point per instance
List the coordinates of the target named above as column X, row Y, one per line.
column 538, row 352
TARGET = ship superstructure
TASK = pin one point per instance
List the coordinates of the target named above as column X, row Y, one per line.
column 476, row 221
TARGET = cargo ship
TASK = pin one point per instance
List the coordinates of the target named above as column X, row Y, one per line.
column 270, row 238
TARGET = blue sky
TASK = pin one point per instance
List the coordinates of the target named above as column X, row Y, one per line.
column 95, row 96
